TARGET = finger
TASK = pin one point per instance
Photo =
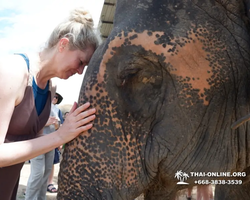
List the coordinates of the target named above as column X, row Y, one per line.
column 85, row 121
column 73, row 108
column 85, row 114
column 81, row 108
column 85, row 128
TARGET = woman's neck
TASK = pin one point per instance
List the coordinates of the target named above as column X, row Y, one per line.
column 42, row 69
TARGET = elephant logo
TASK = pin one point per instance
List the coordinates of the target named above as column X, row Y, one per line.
column 181, row 176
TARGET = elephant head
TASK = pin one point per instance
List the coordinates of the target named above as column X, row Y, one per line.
column 168, row 83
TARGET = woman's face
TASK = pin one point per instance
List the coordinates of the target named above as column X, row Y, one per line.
column 55, row 99
column 73, row 61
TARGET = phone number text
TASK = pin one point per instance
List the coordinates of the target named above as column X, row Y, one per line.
column 218, row 182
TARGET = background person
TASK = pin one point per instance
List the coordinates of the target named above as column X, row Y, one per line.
column 189, row 193
column 26, row 97
column 56, row 101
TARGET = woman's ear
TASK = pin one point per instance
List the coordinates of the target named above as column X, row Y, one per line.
column 63, row 43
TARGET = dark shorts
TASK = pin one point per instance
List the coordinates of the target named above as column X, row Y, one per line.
column 57, row 156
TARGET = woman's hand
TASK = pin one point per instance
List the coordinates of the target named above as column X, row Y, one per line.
column 78, row 120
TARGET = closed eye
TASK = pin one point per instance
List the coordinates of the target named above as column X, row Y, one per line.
column 83, row 63
column 129, row 73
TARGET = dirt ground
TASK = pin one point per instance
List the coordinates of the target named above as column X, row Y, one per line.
column 52, row 196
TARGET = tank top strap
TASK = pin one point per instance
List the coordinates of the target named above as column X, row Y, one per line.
column 31, row 75
column 26, row 58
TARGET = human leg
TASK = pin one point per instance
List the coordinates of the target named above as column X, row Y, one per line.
column 37, row 167
column 204, row 192
column 199, row 193
column 51, row 187
column 189, row 193
column 49, row 156
column 50, row 180
column 211, row 194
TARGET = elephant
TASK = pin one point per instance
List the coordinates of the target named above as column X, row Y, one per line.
column 167, row 84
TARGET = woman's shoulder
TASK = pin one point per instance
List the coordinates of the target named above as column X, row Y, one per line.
column 13, row 76
column 13, row 65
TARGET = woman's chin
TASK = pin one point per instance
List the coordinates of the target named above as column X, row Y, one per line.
column 65, row 76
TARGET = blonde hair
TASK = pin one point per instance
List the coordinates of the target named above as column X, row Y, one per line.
column 79, row 29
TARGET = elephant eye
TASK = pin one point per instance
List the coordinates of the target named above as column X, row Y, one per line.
column 127, row 75
column 123, row 82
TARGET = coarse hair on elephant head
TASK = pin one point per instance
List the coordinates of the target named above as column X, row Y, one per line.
column 167, row 84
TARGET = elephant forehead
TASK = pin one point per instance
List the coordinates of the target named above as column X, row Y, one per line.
column 186, row 61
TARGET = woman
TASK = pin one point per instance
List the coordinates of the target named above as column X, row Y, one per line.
column 42, row 166
column 25, row 98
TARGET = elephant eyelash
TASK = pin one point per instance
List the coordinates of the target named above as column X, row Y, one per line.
column 125, row 78
column 129, row 73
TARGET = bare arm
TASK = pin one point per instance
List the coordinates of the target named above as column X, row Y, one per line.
column 13, row 81
column 11, row 93
column 77, row 122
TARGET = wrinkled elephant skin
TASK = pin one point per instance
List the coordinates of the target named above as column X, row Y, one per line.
column 167, row 84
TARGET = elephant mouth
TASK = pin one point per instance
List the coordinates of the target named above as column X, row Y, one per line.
column 240, row 121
